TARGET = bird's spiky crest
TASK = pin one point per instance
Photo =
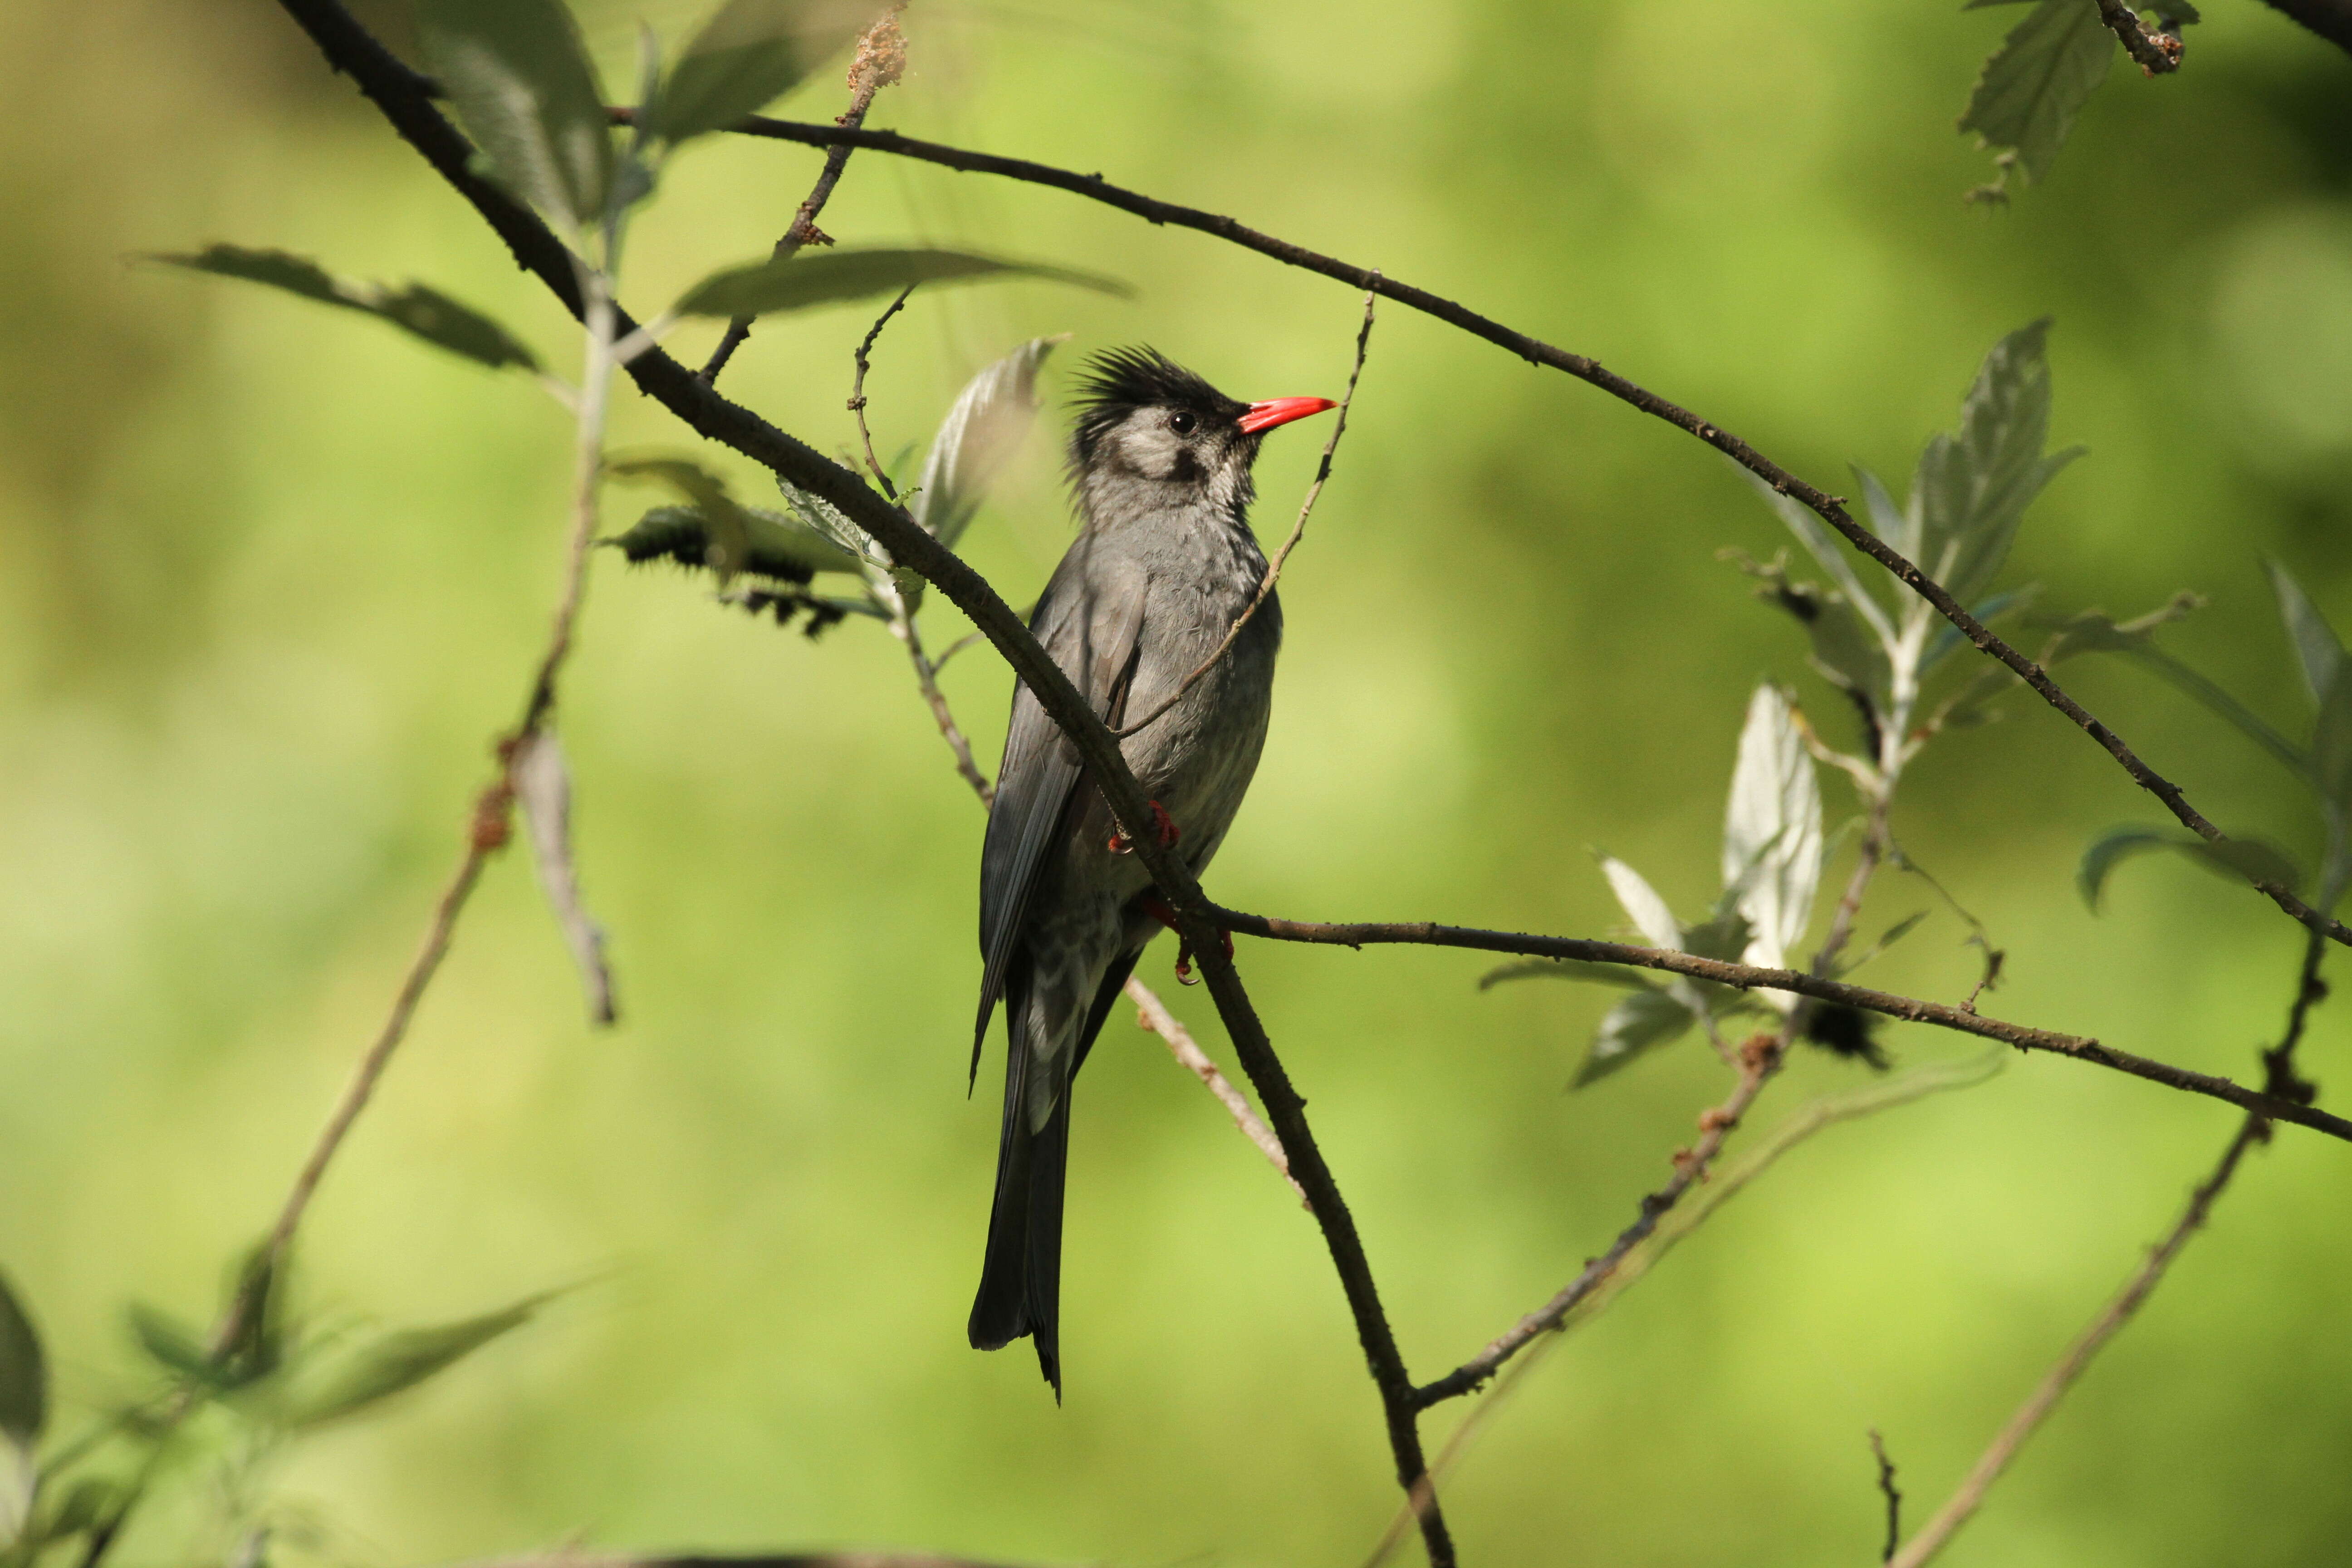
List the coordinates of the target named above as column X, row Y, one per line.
column 1117, row 382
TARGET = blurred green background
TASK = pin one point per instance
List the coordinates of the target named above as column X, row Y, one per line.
column 269, row 576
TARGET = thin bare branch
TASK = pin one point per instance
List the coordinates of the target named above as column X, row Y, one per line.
column 1760, row 1058
column 864, row 360
column 1748, row 977
column 880, row 60
column 1830, row 508
column 1893, row 1497
column 2284, row 1083
column 1938, row 1531
column 1152, row 1014
column 1814, row 1116
column 1273, row 567
column 2156, row 53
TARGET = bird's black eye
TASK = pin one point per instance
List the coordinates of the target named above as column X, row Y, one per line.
column 1182, row 422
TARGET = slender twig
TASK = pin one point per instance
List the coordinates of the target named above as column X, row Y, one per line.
column 1760, row 1058
column 1152, row 1014
column 1830, row 509
column 864, row 360
column 1893, row 1497
column 1749, row 977
column 880, row 60
column 2156, row 53
column 1274, row 568
column 902, row 626
column 1939, row 1530
column 2278, row 1062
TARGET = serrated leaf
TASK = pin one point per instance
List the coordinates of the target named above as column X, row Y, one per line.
column 1567, row 969
column 1644, row 1020
column 2319, row 653
column 1641, row 904
column 517, row 74
column 415, row 308
column 804, row 279
column 978, row 437
column 1973, row 484
column 748, row 54
column 24, row 1374
column 1773, row 829
column 2038, row 80
column 2246, row 860
column 543, row 787
column 399, row 1362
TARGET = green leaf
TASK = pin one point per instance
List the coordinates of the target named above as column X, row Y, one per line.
column 748, row 53
column 1844, row 652
column 2252, row 725
column 422, row 311
column 2317, row 652
column 1974, row 485
column 1641, row 1021
column 2246, row 860
column 24, row 1374
column 803, row 280
column 86, row 1502
column 1949, row 638
column 172, row 1345
column 520, row 79
column 2331, row 747
column 2038, row 79
column 399, row 1362
column 977, row 438
column 1567, row 969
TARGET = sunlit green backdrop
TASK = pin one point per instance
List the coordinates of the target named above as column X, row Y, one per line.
column 271, row 576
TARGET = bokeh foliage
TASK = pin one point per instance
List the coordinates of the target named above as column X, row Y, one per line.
column 268, row 577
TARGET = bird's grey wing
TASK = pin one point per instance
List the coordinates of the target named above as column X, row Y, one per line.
column 1090, row 623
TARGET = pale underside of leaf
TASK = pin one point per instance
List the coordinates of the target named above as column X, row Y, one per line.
column 1773, row 829
column 979, row 436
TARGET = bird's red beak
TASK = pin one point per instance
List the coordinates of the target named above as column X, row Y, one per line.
column 1281, row 411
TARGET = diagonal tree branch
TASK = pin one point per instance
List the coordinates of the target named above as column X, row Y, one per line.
column 1830, row 508
column 393, row 88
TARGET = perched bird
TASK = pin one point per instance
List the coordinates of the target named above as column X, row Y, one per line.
column 1163, row 564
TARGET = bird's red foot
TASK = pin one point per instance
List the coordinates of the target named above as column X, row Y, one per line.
column 1184, row 975
column 1163, row 825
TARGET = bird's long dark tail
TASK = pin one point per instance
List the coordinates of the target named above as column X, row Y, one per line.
column 1020, row 1276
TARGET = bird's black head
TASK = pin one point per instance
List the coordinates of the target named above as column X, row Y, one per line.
column 1150, row 432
